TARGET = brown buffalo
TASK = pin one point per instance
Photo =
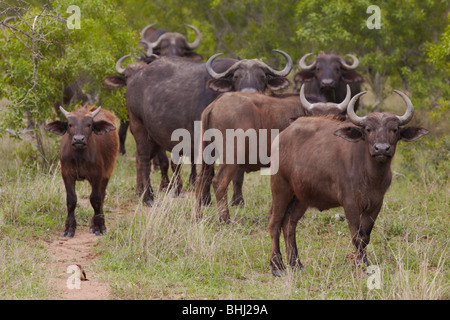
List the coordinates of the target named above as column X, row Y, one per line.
column 248, row 115
column 89, row 149
column 324, row 163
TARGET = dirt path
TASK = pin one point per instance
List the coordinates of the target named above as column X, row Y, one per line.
column 65, row 252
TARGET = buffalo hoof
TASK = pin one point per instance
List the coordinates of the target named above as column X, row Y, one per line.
column 225, row 219
column 297, row 265
column 149, row 203
column 239, row 201
column 206, row 200
column 178, row 195
column 68, row 234
column 163, row 186
column 279, row 273
column 97, row 232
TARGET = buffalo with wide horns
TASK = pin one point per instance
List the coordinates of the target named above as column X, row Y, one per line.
column 324, row 163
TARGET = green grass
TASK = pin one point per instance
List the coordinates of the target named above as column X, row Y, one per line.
column 161, row 253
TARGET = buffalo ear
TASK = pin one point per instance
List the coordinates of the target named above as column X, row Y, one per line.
column 304, row 76
column 352, row 134
column 57, row 127
column 278, row 83
column 412, row 133
column 220, row 85
column 113, row 82
column 102, row 127
column 352, row 77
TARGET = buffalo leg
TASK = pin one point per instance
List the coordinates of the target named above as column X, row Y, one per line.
column 238, row 181
column 71, row 201
column 97, row 198
column 193, row 175
column 146, row 149
column 203, row 188
column 294, row 213
column 220, row 183
column 163, row 163
column 176, row 182
column 123, row 136
column 281, row 197
column 360, row 229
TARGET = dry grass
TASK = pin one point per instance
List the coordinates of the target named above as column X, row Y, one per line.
column 161, row 253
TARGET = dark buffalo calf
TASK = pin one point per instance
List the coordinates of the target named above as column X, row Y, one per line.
column 324, row 163
column 86, row 156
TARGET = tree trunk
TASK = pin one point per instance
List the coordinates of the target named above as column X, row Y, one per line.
column 376, row 82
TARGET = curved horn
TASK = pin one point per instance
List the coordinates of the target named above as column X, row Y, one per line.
column 64, row 112
column 353, row 66
column 287, row 68
column 305, row 103
column 95, row 112
column 148, row 45
column 359, row 121
column 146, row 28
column 302, row 63
column 343, row 105
column 210, row 70
column 404, row 119
column 198, row 37
column 119, row 68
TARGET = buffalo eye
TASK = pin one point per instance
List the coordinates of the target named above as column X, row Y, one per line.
column 89, row 125
column 368, row 130
column 395, row 130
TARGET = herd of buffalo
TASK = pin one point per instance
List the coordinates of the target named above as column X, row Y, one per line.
column 327, row 155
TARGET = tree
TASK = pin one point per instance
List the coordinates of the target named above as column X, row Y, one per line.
column 40, row 55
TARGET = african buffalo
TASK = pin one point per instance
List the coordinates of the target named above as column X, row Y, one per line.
column 88, row 151
column 171, row 93
column 172, row 44
column 158, row 42
column 121, row 80
column 324, row 163
column 247, row 116
column 327, row 75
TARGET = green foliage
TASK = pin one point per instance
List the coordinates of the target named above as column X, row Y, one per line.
column 410, row 49
column 37, row 68
column 439, row 53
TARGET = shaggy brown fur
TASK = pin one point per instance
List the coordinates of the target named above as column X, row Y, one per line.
column 324, row 163
column 89, row 149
